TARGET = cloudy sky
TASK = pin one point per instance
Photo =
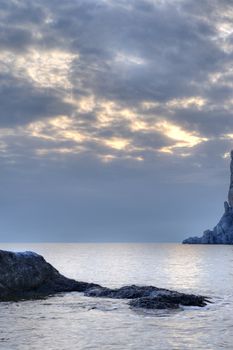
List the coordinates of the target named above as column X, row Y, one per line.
column 116, row 118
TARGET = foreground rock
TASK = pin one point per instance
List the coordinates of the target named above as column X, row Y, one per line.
column 28, row 276
column 222, row 233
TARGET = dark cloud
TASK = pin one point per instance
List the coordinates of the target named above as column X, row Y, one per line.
column 15, row 39
column 208, row 122
column 177, row 49
column 22, row 103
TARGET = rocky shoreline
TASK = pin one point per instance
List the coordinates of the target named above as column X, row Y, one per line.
column 222, row 233
column 27, row 275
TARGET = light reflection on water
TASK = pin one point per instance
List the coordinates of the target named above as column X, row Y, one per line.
column 72, row 321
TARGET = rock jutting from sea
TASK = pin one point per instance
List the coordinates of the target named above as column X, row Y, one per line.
column 222, row 233
column 28, row 276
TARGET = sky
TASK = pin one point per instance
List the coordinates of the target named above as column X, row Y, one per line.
column 116, row 118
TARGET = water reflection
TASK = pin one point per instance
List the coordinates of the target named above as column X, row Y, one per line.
column 72, row 321
column 185, row 267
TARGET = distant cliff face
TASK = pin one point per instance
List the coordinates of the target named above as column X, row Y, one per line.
column 222, row 233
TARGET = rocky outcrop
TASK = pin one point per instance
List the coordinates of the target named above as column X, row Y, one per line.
column 28, row 276
column 230, row 192
column 222, row 233
column 149, row 297
column 165, row 299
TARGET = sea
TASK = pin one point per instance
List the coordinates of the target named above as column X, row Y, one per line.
column 71, row 321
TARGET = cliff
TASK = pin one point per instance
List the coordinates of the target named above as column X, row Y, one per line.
column 222, row 233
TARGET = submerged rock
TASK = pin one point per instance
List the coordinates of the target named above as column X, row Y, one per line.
column 222, row 233
column 28, row 276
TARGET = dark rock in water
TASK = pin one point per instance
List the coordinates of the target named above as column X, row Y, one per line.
column 28, row 276
column 152, row 303
column 222, row 233
column 149, row 297
column 127, row 292
column 166, row 299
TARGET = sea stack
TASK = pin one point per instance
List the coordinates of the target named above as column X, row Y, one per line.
column 222, row 233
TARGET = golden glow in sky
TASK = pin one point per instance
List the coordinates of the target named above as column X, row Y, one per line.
column 117, row 143
column 105, row 126
column 49, row 69
column 183, row 138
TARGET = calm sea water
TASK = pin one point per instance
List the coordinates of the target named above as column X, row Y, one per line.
column 72, row 321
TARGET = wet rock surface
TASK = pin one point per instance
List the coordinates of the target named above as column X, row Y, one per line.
column 127, row 292
column 28, row 276
column 149, row 297
column 169, row 300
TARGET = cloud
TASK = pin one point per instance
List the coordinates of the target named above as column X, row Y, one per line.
column 115, row 98
column 22, row 102
column 164, row 72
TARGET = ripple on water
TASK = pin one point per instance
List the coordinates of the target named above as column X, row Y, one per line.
column 73, row 321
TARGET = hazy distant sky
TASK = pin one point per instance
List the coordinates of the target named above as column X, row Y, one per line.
column 116, row 118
